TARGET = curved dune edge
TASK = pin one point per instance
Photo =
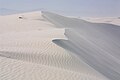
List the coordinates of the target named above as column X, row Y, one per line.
column 97, row 44
column 32, row 49
column 28, row 53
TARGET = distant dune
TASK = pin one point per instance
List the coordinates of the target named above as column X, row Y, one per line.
column 110, row 20
column 47, row 46
column 95, row 43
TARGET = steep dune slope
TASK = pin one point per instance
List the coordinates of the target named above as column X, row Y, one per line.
column 97, row 44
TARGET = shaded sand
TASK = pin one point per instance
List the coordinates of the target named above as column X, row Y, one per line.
column 28, row 50
column 97, row 44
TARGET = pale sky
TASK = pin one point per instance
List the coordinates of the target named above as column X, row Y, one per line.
column 67, row 7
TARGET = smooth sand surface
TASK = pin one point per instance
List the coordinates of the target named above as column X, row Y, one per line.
column 31, row 48
column 97, row 44
column 110, row 20
column 30, row 21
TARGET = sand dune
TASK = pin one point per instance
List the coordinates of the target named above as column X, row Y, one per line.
column 30, row 21
column 97, row 44
column 47, row 46
column 110, row 20
column 39, row 50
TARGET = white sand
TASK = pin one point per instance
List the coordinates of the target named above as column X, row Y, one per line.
column 28, row 53
column 110, row 20
column 97, row 44
column 30, row 21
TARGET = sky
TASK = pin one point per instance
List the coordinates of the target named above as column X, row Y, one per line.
column 67, row 7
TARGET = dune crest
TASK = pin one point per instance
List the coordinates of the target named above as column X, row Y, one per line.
column 47, row 46
column 97, row 44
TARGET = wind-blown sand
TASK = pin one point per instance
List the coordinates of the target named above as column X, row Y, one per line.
column 47, row 46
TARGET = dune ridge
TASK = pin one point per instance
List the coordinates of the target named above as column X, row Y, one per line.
column 38, row 47
column 97, row 44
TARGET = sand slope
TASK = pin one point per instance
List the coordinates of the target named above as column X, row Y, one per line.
column 28, row 51
column 97, row 44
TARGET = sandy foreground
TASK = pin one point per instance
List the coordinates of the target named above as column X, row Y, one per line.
column 46, row 46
